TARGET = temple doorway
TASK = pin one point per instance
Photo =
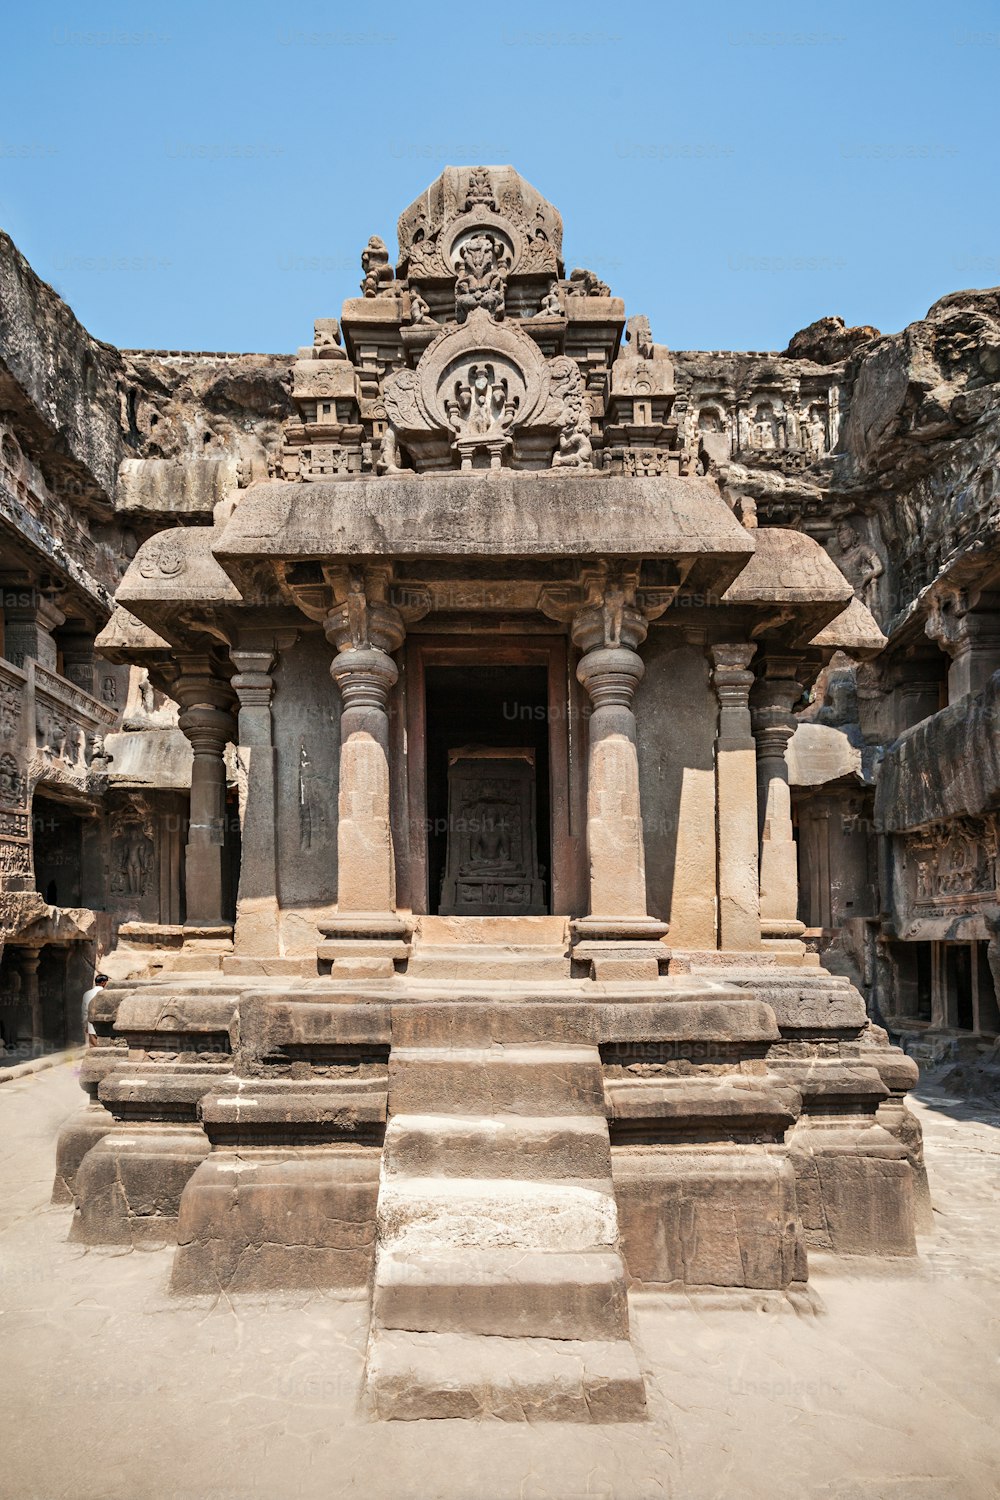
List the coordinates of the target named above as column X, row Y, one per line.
column 489, row 832
column 493, row 772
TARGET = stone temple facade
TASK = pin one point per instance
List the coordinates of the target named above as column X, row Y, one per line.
column 496, row 760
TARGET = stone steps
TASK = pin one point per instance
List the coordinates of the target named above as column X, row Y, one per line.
column 499, row 1284
column 412, row 1376
column 500, row 964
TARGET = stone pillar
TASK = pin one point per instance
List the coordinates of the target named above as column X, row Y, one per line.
column 208, row 721
column 609, row 634
column 257, row 909
column 736, row 800
column 365, row 630
column 30, row 959
column 773, row 722
column 30, row 617
column 969, row 632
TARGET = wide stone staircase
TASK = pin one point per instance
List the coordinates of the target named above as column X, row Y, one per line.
column 499, row 1284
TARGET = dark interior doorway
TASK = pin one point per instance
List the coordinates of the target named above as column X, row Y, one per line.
column 493, row 707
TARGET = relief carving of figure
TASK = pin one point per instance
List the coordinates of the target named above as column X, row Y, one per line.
column 419, row 310
column 815, row 429
column 551, row 306
column 10, row 782
column 480, row 404
column 763, row 430
column 375, row 264
column 388, row 454
column 135, row 864
column 480, row 282
column 575, row 450
column 860, row 563
column 10, row 711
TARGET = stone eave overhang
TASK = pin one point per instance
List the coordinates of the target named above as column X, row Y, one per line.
column 480, row 517
column 790, row 589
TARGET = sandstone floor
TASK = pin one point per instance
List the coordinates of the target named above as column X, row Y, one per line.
column 112, row 1390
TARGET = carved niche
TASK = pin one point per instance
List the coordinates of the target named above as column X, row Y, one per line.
column 133, row 857
column 11, row 782
column 491, row 867
column 954, row 868
column 10, row 710
column 484, row 394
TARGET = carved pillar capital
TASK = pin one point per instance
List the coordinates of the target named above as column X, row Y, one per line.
column 199, row 685
column 362, row 616
column 365, row 676
column 611, row 675
column 967, row 628
column 732, row 680
column 772, row 698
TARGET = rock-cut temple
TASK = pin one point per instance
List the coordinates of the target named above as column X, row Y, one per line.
column 517, row 779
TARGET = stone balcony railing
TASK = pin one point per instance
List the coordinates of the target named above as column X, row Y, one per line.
column 51, row 734
column 69, row 722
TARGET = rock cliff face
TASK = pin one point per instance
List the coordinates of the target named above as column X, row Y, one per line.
column 64, row 386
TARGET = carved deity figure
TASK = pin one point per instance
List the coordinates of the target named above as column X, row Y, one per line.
column 480, row 282
column 375, row 264
column 860, row 563
column 816, row 430
column 489, row 843
column 551, row 306
column 479, row 403
column 575, row 449
column 10, row 781
column 419, row 310
column 134, row 864
column 388, row 454
column 763, row 432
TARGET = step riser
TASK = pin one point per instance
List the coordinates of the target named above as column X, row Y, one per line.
column 507, row 1086
column 493, row 970
column 494, row 1149
column 412, row 1377
column 513, row 1309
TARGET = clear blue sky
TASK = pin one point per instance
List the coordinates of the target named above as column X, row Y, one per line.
column 205, row 175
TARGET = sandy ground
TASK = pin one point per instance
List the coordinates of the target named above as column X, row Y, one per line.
column 112, row 1390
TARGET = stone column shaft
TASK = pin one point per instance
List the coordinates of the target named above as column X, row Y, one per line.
column 736, row 800
column 615, row 854
column 773, row 726
column 610, row 669
column 365, row 631
column 257, row 925
column 30, row 960
column 366, row 866
column 208, row 722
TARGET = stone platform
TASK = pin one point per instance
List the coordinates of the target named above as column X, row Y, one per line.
column 494, row 1149
column 883, row 1390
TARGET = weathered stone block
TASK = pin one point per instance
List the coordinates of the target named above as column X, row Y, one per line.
column 704, row 1217
column 267, row 1220
column 129, row 1186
